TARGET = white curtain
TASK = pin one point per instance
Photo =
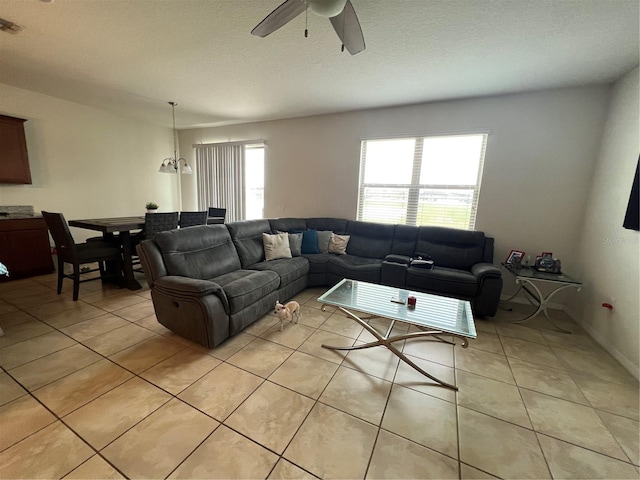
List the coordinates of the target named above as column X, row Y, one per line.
column 220, row 178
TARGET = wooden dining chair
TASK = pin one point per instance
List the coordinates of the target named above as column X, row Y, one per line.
column 190, row 219
column 78, row 254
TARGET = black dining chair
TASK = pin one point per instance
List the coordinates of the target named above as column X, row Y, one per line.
column 216, row 215
column 78, row 254
column 189, row 219
column 153, row 223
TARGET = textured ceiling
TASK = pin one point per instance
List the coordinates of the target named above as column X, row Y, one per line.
column 133, row 56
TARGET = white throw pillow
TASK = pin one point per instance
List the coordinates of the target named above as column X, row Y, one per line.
column 276, row 246
column 338, row 244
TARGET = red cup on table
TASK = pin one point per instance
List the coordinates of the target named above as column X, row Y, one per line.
column 411, row 301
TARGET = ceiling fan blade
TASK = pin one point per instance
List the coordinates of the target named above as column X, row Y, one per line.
column 347, row 27
column 279, row 17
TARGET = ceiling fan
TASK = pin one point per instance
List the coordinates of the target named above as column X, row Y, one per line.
column 340, row 12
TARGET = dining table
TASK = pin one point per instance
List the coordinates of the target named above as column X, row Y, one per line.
column 123, row 226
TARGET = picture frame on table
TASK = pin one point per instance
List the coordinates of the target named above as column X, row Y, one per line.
column 546, row 254
column 513, row 255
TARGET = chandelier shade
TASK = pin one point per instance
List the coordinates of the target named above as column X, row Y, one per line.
column 171, row 164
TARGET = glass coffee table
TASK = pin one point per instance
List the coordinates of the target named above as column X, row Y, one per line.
column 527, row 277
column 436, row 316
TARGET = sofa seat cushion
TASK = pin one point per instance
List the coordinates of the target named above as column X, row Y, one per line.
column 355, row 268
column 318, row 262
column 289, row 269
column 442, row 280
column 245, row 287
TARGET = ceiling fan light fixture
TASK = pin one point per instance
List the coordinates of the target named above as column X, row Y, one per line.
column 327, row 8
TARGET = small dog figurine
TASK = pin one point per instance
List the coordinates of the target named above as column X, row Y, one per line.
column 289, row 311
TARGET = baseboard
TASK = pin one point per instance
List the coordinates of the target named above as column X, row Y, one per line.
column 524, row 301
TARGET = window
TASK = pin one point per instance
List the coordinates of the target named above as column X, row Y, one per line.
column 422, row 180
column 231, row 176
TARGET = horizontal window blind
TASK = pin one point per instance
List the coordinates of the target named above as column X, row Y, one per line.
column 422, row 180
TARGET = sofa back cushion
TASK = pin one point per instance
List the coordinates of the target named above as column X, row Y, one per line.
column 451, row 247
column 370, row 240
column 287, row 224
column 203, row 252
column 335, row 225
column 404, row 240
column 247, row 237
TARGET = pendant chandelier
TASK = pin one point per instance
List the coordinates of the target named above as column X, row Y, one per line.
column 170, row 165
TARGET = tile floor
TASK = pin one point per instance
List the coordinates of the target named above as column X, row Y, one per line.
column 98, row 389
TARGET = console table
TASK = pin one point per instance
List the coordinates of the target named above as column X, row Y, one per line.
column 527, row 277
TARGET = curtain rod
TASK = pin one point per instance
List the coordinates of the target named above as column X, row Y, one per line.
column 242, row 142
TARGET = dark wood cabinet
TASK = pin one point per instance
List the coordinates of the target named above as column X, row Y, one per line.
column 14, row 160
column 24, row 247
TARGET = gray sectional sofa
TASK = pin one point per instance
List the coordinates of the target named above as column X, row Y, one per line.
column 209, row 282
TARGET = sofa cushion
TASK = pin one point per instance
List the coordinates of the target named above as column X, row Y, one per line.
column 336, row 225
column 276, row 246
column 355, row 268
column 371, row 240
column 289, row 269
column 451, row 247
column 202, row 252
column 247, row 237
column 318, row 262
column 245, row 287
column 404, row 240
column 295, row 243
column 338, row 244
column 457, row 283
column 309, row 242
column 324, row 237
column 287, row 224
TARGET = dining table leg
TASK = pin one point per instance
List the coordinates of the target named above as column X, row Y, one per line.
column 129, row 279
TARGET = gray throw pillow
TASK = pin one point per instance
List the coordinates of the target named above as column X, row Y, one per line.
column 323, row 240
column 295, row 243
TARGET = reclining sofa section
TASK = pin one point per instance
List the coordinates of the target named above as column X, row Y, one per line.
column 209, row 282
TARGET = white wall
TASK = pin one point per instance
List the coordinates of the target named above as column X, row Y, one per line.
column 609, row 254
column 540, row 155
column 88, row 163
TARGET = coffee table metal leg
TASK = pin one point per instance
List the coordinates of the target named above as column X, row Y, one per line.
column 387, row 341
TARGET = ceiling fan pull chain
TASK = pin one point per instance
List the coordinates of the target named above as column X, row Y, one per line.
column 306, row 19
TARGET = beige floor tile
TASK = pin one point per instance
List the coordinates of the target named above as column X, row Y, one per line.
column 570, row 422
column 61, row 304
column 9, row 389
column 408, row 376
column 179, row 371
column 626, row 431
column 491, row 397
column 498, row 447
column 54, row 366
column 432, row 422
column 93, row 327
column 118, row 302
column 162, row 441
column 314, row 303
column 260, row 326
column 225, row 455
column 342, row 325
column 21, row 418
column 22, row 288
column 285, row 470
column 484, row 363
column 34, row 348
column 271, row 416
column 151, row 323
column 396, row 457
column 330, row 434
column 576, row 341
column 104, row 419
column 118, row 339
column 358, row 394
column 313, row 317
column 95, row 292
column 485, row 325
column 6, row 307
column 313, row 346
column 598, row 365
column 430, row 349
column 46, row 296
column 221, row 390
column 600, row 394
column 557, row 383
column 83, row 311
column 49, row 453
column 231, row 346
column 95, row 468
column 467, row 472
column 71, row 392
column 147, row 353
column 137, row 311
column 521, row 332
column 377, row 361
column 570, row 461
column 292, row 336
column 488, row 342
column 531, row 352
column 18, row 327
column 261, row 357
column 304, row 374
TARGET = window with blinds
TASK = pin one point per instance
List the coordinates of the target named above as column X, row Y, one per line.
column 422, row 180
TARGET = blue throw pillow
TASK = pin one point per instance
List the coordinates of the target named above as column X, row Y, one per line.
column 310, row 242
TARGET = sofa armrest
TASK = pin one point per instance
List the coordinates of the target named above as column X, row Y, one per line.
column 482, row 270
column 403, row 259
column 191, row 287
